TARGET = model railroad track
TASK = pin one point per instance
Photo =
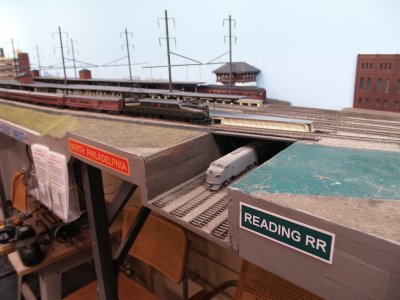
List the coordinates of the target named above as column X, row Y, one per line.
column 368, row 126
column 376, row 132
column 222, row 230
column 366, row 116
column 198, row 206
column 338, row 118
column 351, row 126
column 170, row 198
column 373, row 140
column 189, row 206
column 313, row 113
column 304, row 136
column 353, row 122
column 211, row 213
column 329, row 121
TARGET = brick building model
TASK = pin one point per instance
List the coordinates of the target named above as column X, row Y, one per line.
column 242, row 73
column 243, row 80
column 18, row 68
column 377, row 84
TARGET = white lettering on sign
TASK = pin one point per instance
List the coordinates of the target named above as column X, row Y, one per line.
column 291, row 233
column 275, row 228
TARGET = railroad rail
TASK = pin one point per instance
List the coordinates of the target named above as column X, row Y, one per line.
column 334, row 115
column 197, row 206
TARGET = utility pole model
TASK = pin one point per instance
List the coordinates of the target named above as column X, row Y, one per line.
column 167, row 38
column 62, row 53
column 230, row 51
column 127, row 49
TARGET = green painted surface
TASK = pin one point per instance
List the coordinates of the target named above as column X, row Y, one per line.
column 44, row 123
column 327, row 171
column 122, row 135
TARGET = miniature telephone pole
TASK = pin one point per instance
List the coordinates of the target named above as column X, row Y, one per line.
column 230, row 55
column 73, row 56
column 127, row 49
column 62, row 55
column 169, row 55
column 167, row 38
column 38, row 58
column 230, row 51
column 14, row 59
column 62, row 52
column 129, row 57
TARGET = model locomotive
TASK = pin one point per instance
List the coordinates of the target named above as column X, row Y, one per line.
column 169, row 109
column 222, row 171
column 189, row 111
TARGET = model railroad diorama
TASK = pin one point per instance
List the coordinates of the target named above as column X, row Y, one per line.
column 189, row 111
column 192, row 110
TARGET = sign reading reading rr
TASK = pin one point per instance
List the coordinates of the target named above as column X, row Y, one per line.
column 301, row 237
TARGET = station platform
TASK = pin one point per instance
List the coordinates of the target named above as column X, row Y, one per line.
column 226, row 117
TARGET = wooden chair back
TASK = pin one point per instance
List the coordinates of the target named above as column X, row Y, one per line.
column 256, row 283
column 18, row 190
column 161, row 244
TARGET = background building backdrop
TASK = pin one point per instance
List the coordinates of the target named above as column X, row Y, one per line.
column 377, row 84
column 11, row 68
column 306, row 50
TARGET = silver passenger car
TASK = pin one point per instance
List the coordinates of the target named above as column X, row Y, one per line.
column 223, row 170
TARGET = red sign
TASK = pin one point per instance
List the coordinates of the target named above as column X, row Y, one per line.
column 107, row 159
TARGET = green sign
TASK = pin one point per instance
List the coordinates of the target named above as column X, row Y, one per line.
column 301, row 237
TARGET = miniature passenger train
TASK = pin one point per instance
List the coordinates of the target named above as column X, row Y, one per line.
column 193, row 111
column 188, row 111
column 222, row 171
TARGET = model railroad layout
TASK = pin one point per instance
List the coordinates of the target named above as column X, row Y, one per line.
column 188, row 110
column 344, row 125
column 368, row 126
column 204, row 210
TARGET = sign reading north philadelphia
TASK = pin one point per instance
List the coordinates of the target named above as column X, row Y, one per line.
column 107, row 159
column 301, row 237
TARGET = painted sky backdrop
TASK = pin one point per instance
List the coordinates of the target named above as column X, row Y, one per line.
column 306, row 50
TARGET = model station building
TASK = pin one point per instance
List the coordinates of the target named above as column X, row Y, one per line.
column 377, row 84
column 243, row 80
